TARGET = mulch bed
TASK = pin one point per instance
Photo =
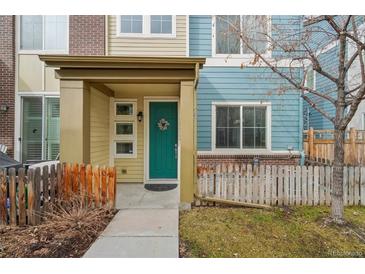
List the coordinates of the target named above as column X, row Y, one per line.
column 65, row 233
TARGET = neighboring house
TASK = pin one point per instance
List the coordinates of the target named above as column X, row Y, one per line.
column 153, row 95
column 328, row 58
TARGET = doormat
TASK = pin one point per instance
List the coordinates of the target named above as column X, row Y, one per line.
column 160, row 187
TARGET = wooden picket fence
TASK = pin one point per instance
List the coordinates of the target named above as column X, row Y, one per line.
column 26, row 196
column 279, row 185
column 319, row 146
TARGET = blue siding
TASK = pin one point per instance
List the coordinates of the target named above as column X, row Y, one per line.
column 200, row 35
column 250, row 84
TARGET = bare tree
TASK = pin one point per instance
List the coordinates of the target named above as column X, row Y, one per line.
column 302, row 49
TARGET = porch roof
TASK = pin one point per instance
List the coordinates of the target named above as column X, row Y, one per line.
column 122, row 62
column 125, row 68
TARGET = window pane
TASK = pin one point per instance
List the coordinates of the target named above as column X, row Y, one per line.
column 131, row 23
column 248, row 116
column 248, row 138
column 32, row 128
column 254, row 28
column 124, row 129
column 260, row 116
column 55, row 32
column 221, row 116
column 227, row 34
column 234, row 137
column 31, row 32
column 260, row 137
column 124, row 109
column 221, row 138
column 124, row 147
column 234, row 117
column 161, row 23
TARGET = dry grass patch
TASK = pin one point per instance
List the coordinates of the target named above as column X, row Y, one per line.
column 282, row 232
column 66, row 232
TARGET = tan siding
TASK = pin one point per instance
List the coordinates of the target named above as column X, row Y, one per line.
column 34, row 76
column 99, row 128
column 147, row 46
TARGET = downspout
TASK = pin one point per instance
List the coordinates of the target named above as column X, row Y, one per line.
column 302, row 155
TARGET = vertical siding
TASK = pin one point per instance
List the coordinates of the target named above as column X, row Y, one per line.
column 99, row 128
column 147, row 46
column 200, row 36
column 249, row 84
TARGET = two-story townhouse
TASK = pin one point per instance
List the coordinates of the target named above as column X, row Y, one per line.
column 133, row 91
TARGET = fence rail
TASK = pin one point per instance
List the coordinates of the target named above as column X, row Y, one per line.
column 279, row 185
column 25, row 196
column 319, row 146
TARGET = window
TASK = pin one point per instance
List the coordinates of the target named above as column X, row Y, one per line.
column 125, row 129
column 131, row 23
column 43, row 33
column 161, row 24
column 228, row 29
column 241, row 126
column 147, row 25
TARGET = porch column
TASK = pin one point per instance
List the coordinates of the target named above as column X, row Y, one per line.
column 188, row 143
column 75, row 121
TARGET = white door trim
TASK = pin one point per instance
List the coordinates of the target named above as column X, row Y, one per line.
column 147, row 100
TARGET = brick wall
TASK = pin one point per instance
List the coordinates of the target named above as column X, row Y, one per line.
column 248, row 159
column 87, row 35
column 7, row 81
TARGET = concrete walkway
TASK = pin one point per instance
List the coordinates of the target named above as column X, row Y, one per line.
column 146, row 225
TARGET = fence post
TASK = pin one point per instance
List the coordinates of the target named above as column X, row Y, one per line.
column 353, row 152
column 3, row 194
column 21, row 196
column 311, row 143
column 12, row 195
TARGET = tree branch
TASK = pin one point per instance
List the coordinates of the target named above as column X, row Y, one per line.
column 313, row 105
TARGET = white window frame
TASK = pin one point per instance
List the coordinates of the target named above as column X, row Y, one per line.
column 42, row 51
column 146, row 29
column 242, row 150
column 267, row 54
column 128, row 138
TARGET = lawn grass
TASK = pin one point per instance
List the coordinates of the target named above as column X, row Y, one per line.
column 290, row 232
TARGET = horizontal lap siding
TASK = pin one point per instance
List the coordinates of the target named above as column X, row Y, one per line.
column 249, row 84
column 329, row 62
column 99, row 128
column 147, row 46
column 200, row 37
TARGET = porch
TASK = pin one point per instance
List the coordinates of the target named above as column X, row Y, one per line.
column 135, row 113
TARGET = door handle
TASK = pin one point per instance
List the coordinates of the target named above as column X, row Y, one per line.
column 176, row 152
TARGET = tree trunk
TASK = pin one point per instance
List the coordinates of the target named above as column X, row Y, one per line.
column 337, row 177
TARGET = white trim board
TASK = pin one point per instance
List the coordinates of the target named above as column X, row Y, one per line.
column 147, row 100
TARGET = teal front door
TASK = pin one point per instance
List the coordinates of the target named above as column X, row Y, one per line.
column 163, row 127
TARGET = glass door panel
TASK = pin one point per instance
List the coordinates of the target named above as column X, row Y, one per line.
column 32, row 128
column 52, row 124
